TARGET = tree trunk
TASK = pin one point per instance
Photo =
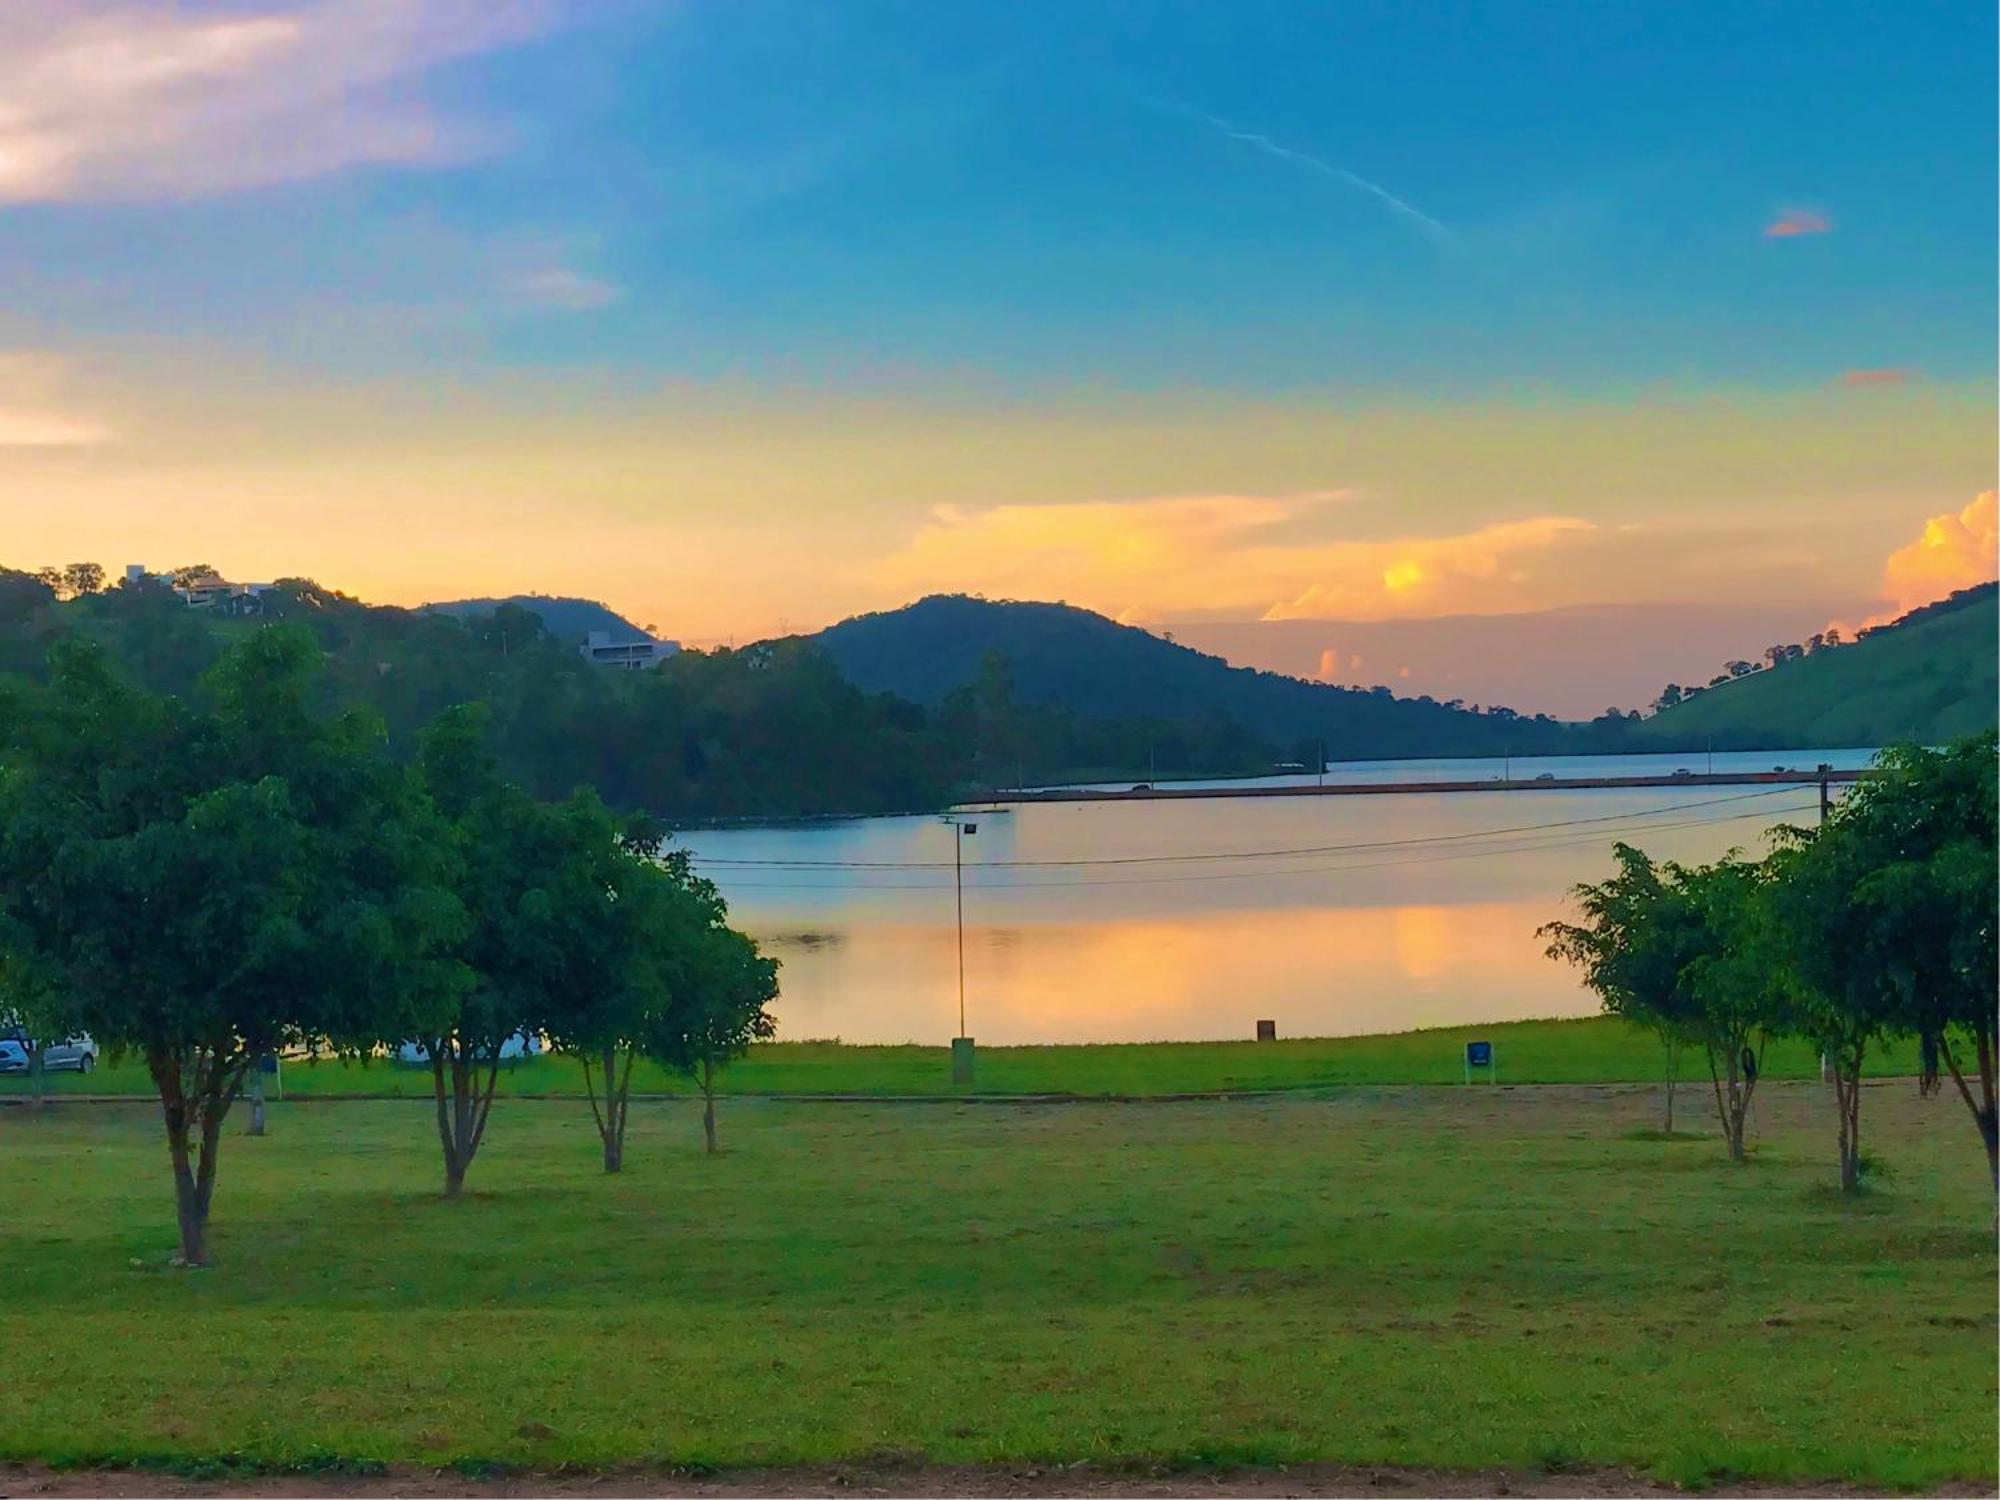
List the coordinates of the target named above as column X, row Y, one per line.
column 257, row 1098
column 708, row 1104
column 1847, row 1096
column 1731, row 1101
column 189, row 1118
column 1984, row 1113
column 38, row 1081
column 613, row 1128
column 1673, row 1068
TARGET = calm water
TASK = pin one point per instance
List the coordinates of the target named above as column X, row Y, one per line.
column 1188, row 920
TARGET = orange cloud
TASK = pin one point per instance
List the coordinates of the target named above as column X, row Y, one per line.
column 1954, row 552
column 1145, row 561
column 1797, row 221
column 1472, row 571
column 1856, row 380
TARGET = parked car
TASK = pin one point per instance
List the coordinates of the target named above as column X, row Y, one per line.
column 521, row 1044
column 1683, row 774
column 1546, row 776
column 72, row 1054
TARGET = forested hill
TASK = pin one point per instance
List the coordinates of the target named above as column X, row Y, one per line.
column 1071, row 658
column 769, row 733
column 1931, row 676
column 568, row 620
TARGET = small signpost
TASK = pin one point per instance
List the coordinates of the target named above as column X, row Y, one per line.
column 1479, row 1055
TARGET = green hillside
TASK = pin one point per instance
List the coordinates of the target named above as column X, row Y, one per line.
column 1931, row 677
column 1065, row 657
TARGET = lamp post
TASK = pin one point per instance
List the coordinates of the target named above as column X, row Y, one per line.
column 961, row 1046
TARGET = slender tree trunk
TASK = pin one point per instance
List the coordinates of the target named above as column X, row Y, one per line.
column 38, row 1079
column 1847, row 1096
column 1673, row 1069
column 1984, row 1113
column 193, row 1122
column 257, row 1097
column 450, row 1114
column 1730, row 1100
column 613, row 1126
column 708, row 1103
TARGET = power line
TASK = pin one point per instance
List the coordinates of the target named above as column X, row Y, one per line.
column 724, row 862
column 1330, row 869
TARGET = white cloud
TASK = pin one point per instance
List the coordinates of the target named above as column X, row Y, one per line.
column 150, row 100
column 566, row 289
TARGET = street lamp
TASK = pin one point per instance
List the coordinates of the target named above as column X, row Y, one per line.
column 961, row 1046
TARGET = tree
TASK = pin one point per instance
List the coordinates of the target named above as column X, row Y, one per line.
column 1686, row 951
column 1739, row 668
column 1735, row 980
column 1896, row 900
column 1828, row 948
column 1669, row 696
column 718, row 1013
column 610, row 935
column 505, row 847
column 83, row 578
column 1637, row 938
column 202, row 884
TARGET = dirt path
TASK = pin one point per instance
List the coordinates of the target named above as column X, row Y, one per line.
column 901, row 1480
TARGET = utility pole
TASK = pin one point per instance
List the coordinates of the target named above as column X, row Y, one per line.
column 958, row 887
column 1322, row 760
column 961, row 1046
column 1825, row 798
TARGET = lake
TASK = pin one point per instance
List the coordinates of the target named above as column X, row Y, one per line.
column 1142, row 921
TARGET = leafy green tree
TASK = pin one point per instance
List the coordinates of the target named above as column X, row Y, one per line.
column 606, row 936
column 1638, row 935
column 203, row 884
column 1829, row 944
column 1892, row 904
column 1737, row 981
column 506, row 849
column 1688, row 952
column 718, row 1012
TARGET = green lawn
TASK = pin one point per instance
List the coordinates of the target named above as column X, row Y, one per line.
column 1596, row 1050
column 1453, row 1277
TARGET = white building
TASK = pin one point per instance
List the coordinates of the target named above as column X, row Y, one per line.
column 632, row 656
column 207, row 590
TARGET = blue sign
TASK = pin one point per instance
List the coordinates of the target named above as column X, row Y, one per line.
column 1479, row 1054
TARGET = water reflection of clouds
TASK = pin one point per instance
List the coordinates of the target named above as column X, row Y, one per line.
column 1092, row 945
column 1339, row 970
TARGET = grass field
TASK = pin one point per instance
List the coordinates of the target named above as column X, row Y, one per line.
column 1452, row 1277
column 1595, row 1050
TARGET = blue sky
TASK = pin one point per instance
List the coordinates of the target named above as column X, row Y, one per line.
column 807, row 284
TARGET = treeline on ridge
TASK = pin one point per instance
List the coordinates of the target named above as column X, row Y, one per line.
column 766, row 731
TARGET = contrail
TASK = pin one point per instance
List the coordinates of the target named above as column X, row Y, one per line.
column 1311, row 163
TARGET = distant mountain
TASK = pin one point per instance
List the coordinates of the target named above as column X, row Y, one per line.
column 1932, row 675
column 1081, row 661
column 1570, row 662
column 568, row 620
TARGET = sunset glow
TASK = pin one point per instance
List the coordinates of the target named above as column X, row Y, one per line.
column 744, row 327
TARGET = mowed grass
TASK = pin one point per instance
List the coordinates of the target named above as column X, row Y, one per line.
column 1598, row 1049
column 1451, row 1277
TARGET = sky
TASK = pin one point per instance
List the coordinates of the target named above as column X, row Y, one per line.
column 747, row 315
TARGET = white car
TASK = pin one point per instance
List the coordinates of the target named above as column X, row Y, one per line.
column 521, row 1044
column 71, row 1054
